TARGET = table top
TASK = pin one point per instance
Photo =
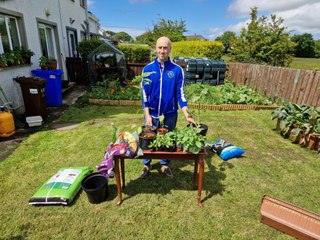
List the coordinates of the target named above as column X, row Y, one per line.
column 180, row 155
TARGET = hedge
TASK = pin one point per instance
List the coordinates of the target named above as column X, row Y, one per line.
column 209, row 49
column 136, row 53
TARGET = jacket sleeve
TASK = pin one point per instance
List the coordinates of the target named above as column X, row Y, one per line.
column 145, row 92
column 180, row 89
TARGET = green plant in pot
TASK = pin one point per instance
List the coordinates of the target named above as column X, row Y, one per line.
column 190, row 139
column 52, row 63
column 26, row 55
column 3, row 61
column 164, row 142
column 197, row 100
column 43, row 63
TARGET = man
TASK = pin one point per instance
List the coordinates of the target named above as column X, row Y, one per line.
column 161, row 96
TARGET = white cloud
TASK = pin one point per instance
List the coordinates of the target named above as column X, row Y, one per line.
column 300, row 16
column 133, row 32
column 213, row 33
column 90, row 2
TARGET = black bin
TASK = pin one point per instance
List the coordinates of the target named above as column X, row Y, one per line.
column 34, row 97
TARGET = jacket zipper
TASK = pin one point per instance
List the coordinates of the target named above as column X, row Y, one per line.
column 160, row 97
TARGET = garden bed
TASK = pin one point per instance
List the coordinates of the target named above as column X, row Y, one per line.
column 222, row 107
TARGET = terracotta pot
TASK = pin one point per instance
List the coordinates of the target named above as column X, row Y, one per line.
column 53, row 65
column 44, row 67
column 162, row 130
column 149, row 129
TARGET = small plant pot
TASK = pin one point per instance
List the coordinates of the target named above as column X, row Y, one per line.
column 203, row 127
column 162, row 130
column 145, row 138
column 179, row 148
column 146, row 128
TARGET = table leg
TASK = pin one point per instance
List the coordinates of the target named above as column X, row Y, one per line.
column 123, row 173
column 116, row 168
column 195, row 174
column 200, row 180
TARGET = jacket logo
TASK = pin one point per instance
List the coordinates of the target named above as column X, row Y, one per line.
column 171, row 74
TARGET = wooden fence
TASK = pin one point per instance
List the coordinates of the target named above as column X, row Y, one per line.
column 295, row 85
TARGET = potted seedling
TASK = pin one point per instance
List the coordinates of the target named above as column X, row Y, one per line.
column 197, row 100
column 164, row 142
column 26, row 55
column 163, row 129
column 43, row 63
column 190, row 139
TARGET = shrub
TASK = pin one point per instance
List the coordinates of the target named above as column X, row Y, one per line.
column 209, row 49
column 85, row 47
column 136, row 53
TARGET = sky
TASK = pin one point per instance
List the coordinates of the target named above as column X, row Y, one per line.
column 209, row 18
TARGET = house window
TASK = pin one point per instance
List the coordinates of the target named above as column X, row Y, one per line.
column 47, row 41
column 9, row 34
column 83, row 3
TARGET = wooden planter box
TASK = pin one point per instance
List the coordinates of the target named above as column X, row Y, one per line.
column 290, row 219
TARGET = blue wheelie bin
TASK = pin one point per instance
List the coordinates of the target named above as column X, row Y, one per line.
column 53, row 85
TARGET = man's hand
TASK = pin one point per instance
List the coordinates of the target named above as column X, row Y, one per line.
column 148, row 117
column 188, row 116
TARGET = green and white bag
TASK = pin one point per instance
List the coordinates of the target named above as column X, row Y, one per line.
column 61, row 188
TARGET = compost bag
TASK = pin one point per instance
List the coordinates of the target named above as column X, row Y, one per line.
column 224, row 149
column 126, row 145
column 61, row 188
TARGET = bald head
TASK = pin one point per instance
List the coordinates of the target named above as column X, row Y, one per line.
column 164, row 41
column 163, row 48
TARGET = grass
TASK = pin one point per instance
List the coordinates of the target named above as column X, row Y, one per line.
column 306, row 63
column 298, row 63
column 158, row 207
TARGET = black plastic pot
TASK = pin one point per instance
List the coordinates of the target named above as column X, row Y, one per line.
column 96, row 187
column 144, row 141
column 203, row 127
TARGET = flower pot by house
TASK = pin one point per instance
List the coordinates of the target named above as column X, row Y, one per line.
column 145, row 138
column 44, row 67
column 53, row 65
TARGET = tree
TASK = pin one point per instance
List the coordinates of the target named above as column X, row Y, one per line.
column 305, row 45
column 317, row 48
column 146, row 37
column 123, row 36
column 173, row 29
column 227, row 38
column 263, row 41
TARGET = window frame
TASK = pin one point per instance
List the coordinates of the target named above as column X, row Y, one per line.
column 8, row 20
column 51, row 51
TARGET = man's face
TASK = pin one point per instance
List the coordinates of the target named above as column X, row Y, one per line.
column 163, row 49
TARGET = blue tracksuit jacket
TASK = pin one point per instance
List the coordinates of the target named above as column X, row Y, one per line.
column 166, row 89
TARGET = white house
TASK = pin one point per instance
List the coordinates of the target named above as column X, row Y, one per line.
column 48, row 28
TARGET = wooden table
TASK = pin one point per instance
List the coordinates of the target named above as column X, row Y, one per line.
column 148, row 154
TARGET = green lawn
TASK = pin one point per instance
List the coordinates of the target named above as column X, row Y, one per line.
column 158, row 207
column 306, row 63
column 299, row 63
